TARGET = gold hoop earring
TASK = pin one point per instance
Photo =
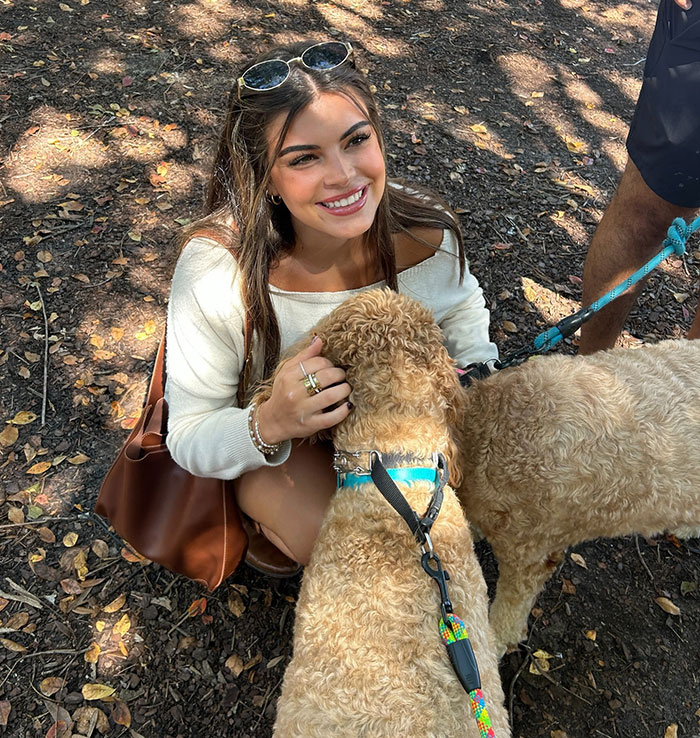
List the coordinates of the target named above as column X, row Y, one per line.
column 274, row 199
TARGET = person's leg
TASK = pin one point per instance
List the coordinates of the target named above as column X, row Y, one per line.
column 694, row 331
column 628, row 235
column 289, row 501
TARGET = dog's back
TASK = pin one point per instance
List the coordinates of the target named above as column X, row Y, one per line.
column 587, row 446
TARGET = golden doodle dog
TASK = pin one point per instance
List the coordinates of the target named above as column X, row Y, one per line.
column 368, row 658
column 565, row 449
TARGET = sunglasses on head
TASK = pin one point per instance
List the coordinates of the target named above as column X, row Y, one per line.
column 270, row 74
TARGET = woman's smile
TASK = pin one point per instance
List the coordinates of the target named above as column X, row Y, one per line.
column 346, row 204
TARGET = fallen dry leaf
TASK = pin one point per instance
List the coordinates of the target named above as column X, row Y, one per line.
column 71, row 586
column 88, row 718
column 235, row 664
column 51, row 685
column 39, row 468
column 253, row 662
column 671, row 731
column 17, row 621
column 92, row 654
column 100, row 548
column 15, row 515
column 567, row 587
column 235, row 603
column 197, row 607
column 5, row 708
column 46, row 535
column 59, row 729
column 578, row 559
column 121, row 714
column 132, row 556
column 123, row 625
column 24, row 417
column 667, row 606
column 12, row 646
column 116, row 604
column 9, row 436
column 70, row 539
column 97, row 691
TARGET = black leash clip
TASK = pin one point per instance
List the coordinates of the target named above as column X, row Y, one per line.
column 441, row 576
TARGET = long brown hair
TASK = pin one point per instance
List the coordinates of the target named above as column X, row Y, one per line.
column 241, row 217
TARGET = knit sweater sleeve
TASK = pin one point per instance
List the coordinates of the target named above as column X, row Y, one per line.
column 207, row 433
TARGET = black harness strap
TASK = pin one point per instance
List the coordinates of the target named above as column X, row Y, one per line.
column 420, row 527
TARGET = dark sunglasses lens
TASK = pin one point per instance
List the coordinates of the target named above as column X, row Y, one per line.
column 325, row 56
column 266, row 75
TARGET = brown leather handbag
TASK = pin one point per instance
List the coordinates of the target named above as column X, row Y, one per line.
column 190, row 525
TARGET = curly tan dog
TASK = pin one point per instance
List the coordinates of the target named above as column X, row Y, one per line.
column 565, row 449
column 368, row 659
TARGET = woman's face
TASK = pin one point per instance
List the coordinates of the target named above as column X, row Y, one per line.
column 330, row 171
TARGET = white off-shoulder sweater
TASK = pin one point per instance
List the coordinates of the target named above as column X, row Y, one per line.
column 207, row 432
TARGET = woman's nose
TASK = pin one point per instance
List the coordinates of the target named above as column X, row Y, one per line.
column 338, row 171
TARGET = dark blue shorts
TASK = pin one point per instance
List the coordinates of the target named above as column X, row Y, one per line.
column 664, row 136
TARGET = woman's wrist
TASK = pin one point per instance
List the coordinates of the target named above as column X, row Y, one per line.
column 267, row 449
column 266, row 427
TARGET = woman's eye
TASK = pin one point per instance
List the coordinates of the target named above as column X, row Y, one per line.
column 303, row 159
column 357, row 140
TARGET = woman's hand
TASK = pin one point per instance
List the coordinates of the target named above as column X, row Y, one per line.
column 291, row 412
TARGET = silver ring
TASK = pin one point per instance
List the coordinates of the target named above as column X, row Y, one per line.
column 303, row 371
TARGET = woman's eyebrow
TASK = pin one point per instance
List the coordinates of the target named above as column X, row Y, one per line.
column 352, row 129
column 310, row 147
column 298, row 147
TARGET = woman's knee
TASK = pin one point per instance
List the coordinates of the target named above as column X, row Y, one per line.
column 290, row 501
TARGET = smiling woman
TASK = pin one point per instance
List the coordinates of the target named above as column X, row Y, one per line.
column 300, row 216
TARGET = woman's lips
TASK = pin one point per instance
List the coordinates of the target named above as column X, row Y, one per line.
column 348, row 209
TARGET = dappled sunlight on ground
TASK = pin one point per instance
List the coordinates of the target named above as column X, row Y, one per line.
column 211, row 18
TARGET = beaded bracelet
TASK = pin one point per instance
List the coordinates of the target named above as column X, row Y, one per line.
column 254, row 430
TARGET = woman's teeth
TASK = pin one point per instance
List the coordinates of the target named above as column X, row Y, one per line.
column 345, row 201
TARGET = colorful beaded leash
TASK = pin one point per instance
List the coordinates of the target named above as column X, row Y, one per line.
column 459, row 648
column 451, row 633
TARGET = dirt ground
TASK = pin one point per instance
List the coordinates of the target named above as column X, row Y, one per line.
column 516, row 112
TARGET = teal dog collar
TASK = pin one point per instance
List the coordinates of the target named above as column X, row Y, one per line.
column 402, row 474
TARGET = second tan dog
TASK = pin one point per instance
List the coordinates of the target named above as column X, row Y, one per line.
column 368, row 659
column 566, row 449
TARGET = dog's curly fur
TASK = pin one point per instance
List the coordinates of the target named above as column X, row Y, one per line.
column 565, row 449
column 368, row 659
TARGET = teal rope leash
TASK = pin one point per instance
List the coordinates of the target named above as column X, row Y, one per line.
column 674, row 243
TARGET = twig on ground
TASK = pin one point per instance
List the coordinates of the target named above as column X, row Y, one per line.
column 38, row 521
column 641, row 558
column 52, row 653
column 561, row 686
column 526, row 660
column 46, row 356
